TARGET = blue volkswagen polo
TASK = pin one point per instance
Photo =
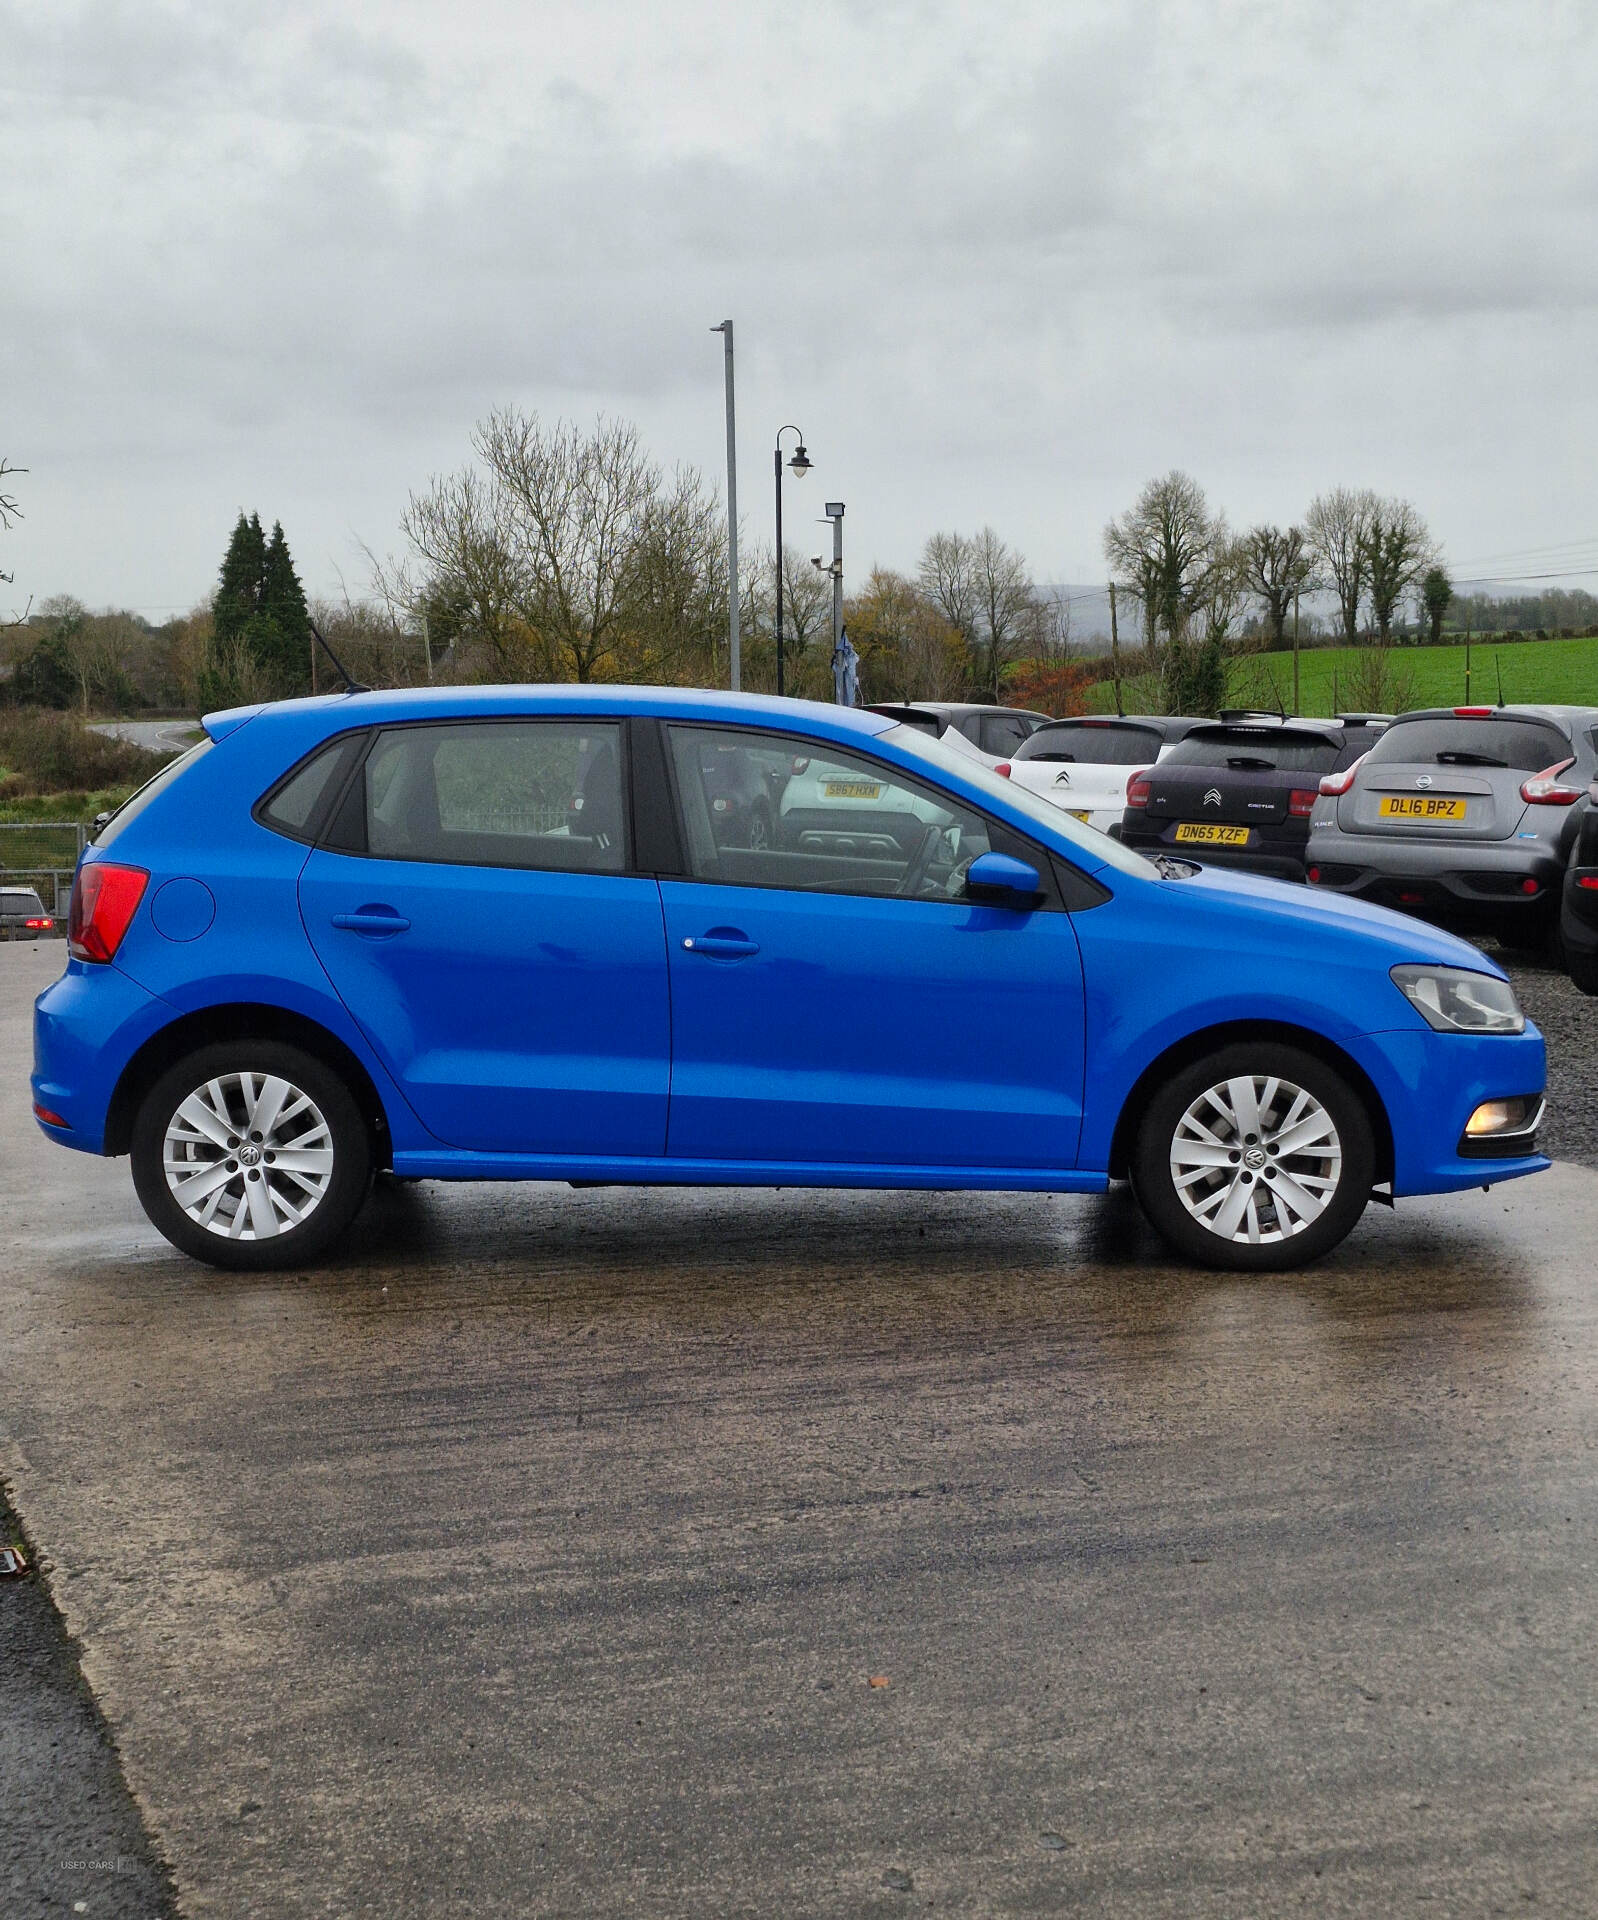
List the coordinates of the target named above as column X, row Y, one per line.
column 501, row 933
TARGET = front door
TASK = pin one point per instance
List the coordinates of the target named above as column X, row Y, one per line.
column 478, row 921
column 837, row 1001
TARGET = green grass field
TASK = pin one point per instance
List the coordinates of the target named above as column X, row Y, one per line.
column 1534, row 672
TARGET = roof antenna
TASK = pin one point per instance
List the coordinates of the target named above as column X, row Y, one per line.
column 350, row 686
column 1500, row 666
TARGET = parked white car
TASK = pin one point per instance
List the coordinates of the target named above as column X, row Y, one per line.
column 1083, row 766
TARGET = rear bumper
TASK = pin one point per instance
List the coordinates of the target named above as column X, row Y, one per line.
column 86, row 1027
column 1483, row 885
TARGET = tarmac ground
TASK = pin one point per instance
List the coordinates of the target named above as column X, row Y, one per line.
column 729, row 1552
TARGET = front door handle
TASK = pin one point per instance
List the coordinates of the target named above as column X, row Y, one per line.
column 722, row 943
column 371, row 920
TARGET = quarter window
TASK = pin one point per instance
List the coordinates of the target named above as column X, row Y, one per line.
column 763, row 810
column 516, row 793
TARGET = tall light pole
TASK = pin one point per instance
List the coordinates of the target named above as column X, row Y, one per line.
column 735, row 663
column 798, row 466
column 835, row 515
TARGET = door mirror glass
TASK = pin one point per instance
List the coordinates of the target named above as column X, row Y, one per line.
column 999, row 880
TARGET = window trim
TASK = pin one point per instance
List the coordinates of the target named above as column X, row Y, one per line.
column 352, row 784
column 1002, row 837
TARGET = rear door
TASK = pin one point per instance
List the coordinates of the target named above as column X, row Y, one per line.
column 1448, row 777
column 477, row 917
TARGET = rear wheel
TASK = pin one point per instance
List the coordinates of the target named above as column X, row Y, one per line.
column 251, row 1154
column 1583, row 970
column 1258, row 1157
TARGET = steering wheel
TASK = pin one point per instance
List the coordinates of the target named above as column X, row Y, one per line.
column 920, row 860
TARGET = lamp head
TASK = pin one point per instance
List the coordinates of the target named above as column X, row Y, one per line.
column 799, row 465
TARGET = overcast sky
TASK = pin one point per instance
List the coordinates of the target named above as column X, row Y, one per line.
column 1000, row 263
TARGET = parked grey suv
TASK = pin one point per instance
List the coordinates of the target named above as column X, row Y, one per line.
column 1464, row 815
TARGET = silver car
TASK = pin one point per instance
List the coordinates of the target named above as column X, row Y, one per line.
column 1464, row 815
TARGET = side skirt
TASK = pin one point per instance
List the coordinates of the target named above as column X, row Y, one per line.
column 428, row 1164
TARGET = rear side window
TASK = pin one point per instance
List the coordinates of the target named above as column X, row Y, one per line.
column 1094, row 746
column 1265, row 748
column 1002, row 733
column 152, row 789
column 295, row 807
column 1446, row 741
column 515, row 793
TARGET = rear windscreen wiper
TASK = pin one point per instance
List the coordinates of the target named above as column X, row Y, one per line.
column 1463, row 757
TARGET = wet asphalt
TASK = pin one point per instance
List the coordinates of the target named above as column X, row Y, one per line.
column 753, row 1553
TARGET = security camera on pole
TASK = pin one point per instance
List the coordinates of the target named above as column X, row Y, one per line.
column 798, row 466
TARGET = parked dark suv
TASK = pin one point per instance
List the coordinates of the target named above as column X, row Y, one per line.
column 22, row 914
column 1239, row 792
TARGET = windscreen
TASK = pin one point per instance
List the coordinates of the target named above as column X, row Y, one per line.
column 1448, row 741
column 1092, row 849
column 1265, row 748
column 1098, row 746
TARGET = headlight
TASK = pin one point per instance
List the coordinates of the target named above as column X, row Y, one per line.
column 1454, row 1000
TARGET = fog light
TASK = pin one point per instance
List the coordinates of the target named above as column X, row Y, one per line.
column 50, row 1119
column 1497, row 1116
column 1529, row 886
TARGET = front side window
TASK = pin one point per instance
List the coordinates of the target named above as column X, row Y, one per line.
column 839, row 823
column 514, row 793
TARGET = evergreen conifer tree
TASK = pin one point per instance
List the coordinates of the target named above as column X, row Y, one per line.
column 284, row 649
column 238, row 596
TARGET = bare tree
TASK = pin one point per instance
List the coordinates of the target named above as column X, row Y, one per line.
column 947, row 576
column 1165, row 549
column 1277, row 566
column 9, row 510
column 1336, row 530
column 1398, row 549
column 1007, row 605
column 460, row 531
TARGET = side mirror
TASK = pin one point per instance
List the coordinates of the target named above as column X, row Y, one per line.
column 998, row 880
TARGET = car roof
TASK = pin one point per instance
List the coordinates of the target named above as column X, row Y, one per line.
column 1173, row 724
column 1566, row 717
column 395, row 706
column 949, row 709
column 1273, row 723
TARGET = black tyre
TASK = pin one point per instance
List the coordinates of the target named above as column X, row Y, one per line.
column 1258, row 1157
column 251, row 1154
column 1583, row 970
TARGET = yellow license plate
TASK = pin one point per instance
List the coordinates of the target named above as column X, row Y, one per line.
column 852, row 790
column 1075, row 815
column 1214, row 836
column 1422, row 807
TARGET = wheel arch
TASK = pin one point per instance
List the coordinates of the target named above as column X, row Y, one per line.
column 241, row 1021
column 1195, row 1046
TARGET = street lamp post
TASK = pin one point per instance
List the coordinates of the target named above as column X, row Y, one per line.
column 798, row 466
column 734, row 663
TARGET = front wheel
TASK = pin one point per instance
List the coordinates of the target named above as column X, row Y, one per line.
column 1258, row 1157
column 251, row 1154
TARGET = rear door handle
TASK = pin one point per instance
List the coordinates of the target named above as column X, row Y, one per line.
column 721, row 945
column 371, row 920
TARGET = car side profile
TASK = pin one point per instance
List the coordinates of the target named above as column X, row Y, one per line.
column 374, row 930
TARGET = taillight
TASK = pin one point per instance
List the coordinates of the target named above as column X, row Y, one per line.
column 1589, row 881
column 104, row 899
column 1137, row 790
column 37, row 926
column 1301, row 802
column 1003, row 769
column 1473, row 713
column 1333, row 784
column 1543, row 789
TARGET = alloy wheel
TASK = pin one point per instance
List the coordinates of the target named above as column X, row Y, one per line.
column 1256, row 1159
column 248, row 1156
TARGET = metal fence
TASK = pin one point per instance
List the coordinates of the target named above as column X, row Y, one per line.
column 42, row 854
